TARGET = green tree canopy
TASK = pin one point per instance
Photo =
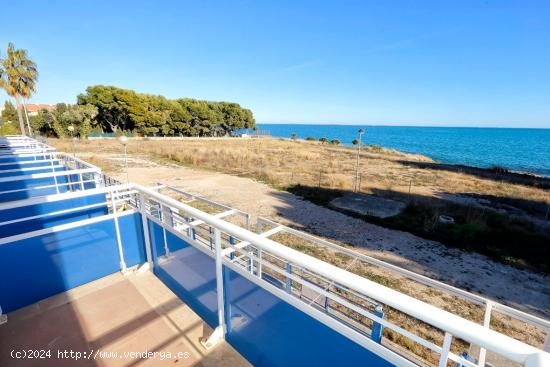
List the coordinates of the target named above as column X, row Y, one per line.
column 123, row 109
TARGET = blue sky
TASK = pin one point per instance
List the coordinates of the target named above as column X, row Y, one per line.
column 449, row 63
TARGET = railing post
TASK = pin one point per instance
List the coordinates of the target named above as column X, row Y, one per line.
column 288, row 283
column 117, row 231
column 166, row 221
column 446, row 349
column 219, row 280
column 487, row 324
column 377, row 328
column 145, row 224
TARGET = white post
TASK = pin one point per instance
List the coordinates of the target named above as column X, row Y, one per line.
column 143, row 211
column 487, row 324
column 219, row 280
column 445, row 350
column 166, row 221
column 118, row 238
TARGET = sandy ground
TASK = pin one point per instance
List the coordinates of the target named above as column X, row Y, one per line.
column 521, row 289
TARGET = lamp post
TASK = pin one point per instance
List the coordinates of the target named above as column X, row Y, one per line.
column 357, row 176
column 71, row 131
column 124, row 141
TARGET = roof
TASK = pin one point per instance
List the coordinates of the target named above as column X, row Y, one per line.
column 31, row 107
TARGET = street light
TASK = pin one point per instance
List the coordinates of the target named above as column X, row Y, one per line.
column 357, row 175
column 71, row 131
column 124, row 141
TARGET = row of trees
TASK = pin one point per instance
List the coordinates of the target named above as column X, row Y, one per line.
column 113, row 110
column 107, row 109
column 145, row 114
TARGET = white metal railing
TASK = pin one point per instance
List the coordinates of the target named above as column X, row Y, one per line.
column 293, row 276
column 259, row 248
column 257, row 258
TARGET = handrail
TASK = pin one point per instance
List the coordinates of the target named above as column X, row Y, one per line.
column 475, row 298
column 467, row 330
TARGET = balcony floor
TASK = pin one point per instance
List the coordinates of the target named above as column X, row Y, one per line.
column 121, row 314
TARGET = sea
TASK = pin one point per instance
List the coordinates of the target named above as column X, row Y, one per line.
column 517, row 149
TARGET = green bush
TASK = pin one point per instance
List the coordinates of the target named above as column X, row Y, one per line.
column 311, row 138
column 335, row 142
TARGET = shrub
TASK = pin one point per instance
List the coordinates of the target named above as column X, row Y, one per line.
column 323, row 140
column 499, row 169
column 335, row 142
column 311, row 138
column 293, row 136
column 355, row 142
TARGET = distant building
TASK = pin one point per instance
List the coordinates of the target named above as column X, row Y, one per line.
column 33, row 109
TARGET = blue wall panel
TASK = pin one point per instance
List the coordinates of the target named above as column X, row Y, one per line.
column 32, row 172
column 191, row 275
column 53, row 220
column 266, row 330
column 16, row 165
column 27, row 184
column 39, row 267
column 131, row 233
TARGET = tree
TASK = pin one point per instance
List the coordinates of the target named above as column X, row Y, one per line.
column 335, row 142
column 9, row 113
column 311, row 138
column 323, row 140
column 355, row 142
column 81, row 116
column 293, row 136
column 18, row 76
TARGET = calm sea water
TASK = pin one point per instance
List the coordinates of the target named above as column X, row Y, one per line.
column 526, row 150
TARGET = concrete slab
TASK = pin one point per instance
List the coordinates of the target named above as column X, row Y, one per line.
column 368, row 205
column 115, row 321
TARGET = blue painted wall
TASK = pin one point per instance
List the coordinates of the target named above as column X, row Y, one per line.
column 266, row 330
column 39, row 267
column 53, row 220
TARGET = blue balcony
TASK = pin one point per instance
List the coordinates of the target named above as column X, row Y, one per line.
column 93, row 266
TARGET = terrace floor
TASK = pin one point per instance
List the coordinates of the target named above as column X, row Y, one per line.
column 116, row 314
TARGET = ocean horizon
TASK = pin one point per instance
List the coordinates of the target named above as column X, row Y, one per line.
column 515, row 148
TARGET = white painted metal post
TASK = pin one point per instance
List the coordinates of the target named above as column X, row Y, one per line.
column 117, row 231
column 219, row 280
column 143, row 211
column 487, row 324
column 445, row 350
column 54, row 177
column 166, row 221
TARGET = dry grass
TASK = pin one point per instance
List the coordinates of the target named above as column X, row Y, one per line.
column 283, row 163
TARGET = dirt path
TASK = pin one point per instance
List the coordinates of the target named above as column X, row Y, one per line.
column 521, row 289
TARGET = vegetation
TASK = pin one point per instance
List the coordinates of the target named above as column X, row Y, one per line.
column 335, row 142
column 321, row 172
column 311, row 138
column 18, row 76
column 144, row 114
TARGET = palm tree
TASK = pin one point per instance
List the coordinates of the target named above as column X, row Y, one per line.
column 18, row 76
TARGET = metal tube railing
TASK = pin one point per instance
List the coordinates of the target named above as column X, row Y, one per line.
column 451, row 324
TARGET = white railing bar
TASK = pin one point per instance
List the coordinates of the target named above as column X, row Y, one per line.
column 351, row 306
column 326, row 319
column 48, row 174
column 455, row 325
column 38, row 168
column 49, row 214
column 520, row 315
column 30, row 162
column 60, row 197
column 244, row 244
column 61, row 227
column 44, row 187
